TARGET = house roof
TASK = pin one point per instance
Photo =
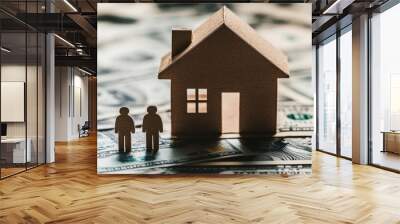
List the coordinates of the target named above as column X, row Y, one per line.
column 226, row 17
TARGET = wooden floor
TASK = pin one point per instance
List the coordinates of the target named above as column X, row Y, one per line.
column 5, row 172
column 70, row 191
column 387, row 159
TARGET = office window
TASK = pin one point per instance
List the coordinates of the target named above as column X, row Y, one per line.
column 394, row 102
column 346, row 94
column 196, row 101
column 327, row 96
column 385, row 88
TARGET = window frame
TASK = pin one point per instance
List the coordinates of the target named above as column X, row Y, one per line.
column 197, row 101
column 334, row 37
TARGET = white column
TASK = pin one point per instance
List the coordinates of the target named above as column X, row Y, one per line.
column 63, row 102
column 360, row 90
column 50, row 98
column 68, row 80
column 50, row 92
column 314, row 86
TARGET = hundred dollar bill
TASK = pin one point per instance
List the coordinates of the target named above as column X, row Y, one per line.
column 248, row 170
column 288, row 151
column 288, row 170
column 271, row 148
column 171, row 152
column 205, row 154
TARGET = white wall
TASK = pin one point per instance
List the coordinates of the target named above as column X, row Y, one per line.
column 62, row 81
column 33, row 126
column 71, row 94
column 12, row 73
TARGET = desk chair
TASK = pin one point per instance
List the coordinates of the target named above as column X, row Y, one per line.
column 84, row 130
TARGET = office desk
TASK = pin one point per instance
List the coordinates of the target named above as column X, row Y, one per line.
column 13, row 150
column 391, row 141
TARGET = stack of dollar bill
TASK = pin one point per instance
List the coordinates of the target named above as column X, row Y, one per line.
column 221, row 156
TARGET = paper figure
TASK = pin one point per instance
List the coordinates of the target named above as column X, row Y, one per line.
column 124, row 126
column 152, row 125
column 223, row 79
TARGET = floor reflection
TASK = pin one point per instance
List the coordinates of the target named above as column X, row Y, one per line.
column 387, row 159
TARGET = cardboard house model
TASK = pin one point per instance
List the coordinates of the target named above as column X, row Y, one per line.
column 223, row 79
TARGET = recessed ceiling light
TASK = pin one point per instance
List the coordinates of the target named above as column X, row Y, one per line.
column 64, row 40
column 70, row 5
column 5, row 50
column 337, row 7
column 84, row 71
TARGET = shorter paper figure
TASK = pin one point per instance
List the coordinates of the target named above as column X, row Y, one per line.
column 152, row 125
column 124, row 126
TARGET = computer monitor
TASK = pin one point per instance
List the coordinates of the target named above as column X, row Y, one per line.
column 3, row 129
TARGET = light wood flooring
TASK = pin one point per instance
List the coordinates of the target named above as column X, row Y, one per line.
column 70, row 191
column 387, row 159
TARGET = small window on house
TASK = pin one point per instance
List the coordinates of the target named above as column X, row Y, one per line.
column 202, row 108
column 196, row 101
column 191, row 108
column 191, row 94
column 202, row 94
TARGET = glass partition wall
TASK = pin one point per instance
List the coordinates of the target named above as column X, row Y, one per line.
column 346, row 95
column 22, row 77
column 327, row 95
column 385, row 89
column 334, row 84
column 334, row 120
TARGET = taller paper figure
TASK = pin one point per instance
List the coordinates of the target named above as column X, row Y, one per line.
column 152, row 125
column 124, row 126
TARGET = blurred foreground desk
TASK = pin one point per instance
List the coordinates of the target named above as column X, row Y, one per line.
column 391, row 141
column 13, row 150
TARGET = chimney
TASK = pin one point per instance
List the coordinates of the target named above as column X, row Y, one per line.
column 181, row 39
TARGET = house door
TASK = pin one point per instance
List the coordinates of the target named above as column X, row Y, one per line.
column 230, row 104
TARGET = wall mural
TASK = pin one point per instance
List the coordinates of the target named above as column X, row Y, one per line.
column 204, row 88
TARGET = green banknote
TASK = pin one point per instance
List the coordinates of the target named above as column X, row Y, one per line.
column 267, row 152
column 239, row 170
column 211, row 156
column 171, row 153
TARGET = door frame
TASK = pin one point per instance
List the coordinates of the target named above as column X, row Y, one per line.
column 235, row 94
